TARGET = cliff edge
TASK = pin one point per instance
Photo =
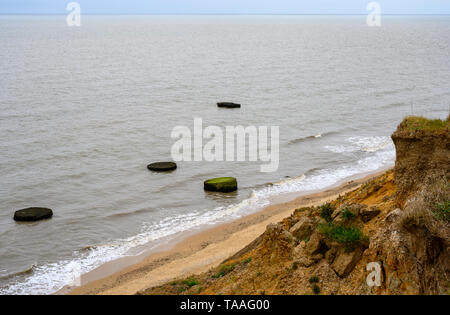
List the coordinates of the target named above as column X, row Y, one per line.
column 422, row 148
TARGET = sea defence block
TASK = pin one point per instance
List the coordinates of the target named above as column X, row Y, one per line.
column 221, row 184
column 228, row 105
column 162, row 166
column 33, row 214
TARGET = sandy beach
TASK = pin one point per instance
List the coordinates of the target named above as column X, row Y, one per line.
column 196, row 253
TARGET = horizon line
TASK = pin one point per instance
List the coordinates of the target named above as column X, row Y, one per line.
column 252, row 14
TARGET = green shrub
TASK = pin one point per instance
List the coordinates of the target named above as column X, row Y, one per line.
column 347, row 214
column 313, row 279
column 295, row 265
column 326, row 211
column 349, row 236
column 224, row 269
column 442, row 211
column 190, row 282
column 247, row 260
column 316, row 289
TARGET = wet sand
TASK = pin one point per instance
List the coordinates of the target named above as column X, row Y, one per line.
column 198, row 252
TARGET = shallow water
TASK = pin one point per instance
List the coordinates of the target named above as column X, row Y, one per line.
column 84, row 110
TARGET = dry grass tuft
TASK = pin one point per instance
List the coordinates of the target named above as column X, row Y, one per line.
column 430, row 207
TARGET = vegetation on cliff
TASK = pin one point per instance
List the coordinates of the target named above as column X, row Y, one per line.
column 414, row 123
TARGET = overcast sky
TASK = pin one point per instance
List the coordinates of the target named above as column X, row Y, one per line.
column 225, row 6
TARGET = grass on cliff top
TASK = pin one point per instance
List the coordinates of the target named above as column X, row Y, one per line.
column 422, row 123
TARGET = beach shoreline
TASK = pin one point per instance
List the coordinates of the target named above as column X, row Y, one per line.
column 197, row 251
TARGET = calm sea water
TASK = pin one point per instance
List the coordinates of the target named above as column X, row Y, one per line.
column 84, row 110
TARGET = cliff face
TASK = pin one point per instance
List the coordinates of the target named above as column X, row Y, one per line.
column 423, row 150
column 400, row 221
column 415, row 241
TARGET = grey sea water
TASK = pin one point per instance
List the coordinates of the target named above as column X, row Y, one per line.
column 84, row 110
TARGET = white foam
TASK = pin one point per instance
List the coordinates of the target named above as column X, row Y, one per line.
column 360, row 143
column 291, row 180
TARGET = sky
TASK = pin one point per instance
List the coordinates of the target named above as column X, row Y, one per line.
column 224, row 6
